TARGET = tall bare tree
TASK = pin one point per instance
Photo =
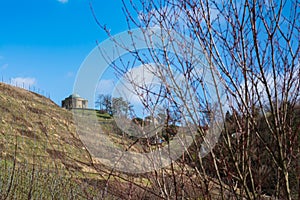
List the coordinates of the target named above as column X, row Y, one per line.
column 250, row 48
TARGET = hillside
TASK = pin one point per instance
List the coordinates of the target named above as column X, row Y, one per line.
column 45, row 133
column 42, row 157
column 40, row 154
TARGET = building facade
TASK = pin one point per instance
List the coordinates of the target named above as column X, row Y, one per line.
column 74, row 101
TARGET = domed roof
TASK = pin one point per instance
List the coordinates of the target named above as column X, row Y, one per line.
column 73, row 96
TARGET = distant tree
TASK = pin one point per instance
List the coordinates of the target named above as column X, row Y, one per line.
column 99, row 101
column 121, row 107
column 104, row 102
column 107, row 103
column 138, row 121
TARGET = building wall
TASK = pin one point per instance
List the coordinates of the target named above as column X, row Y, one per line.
column 70, row 103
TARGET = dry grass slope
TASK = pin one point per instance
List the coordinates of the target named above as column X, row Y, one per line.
column 41, row 155
column 44, row 132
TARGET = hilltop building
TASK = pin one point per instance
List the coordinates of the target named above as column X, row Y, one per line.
column 74, row 101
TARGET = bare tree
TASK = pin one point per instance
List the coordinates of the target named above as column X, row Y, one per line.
column 250, row 48
column 105, row 103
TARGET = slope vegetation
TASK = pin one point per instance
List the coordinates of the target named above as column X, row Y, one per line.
column 38, row 131
column 41, row 156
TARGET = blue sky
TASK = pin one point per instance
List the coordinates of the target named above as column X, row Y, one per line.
column 44, row 42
